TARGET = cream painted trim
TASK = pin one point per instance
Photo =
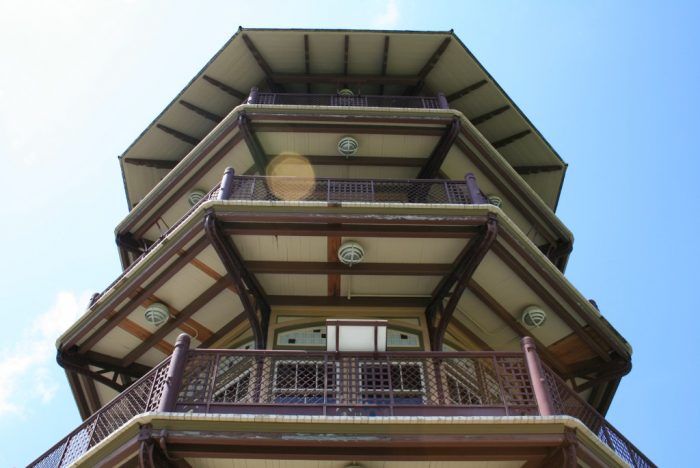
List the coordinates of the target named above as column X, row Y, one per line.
column 497, row 158
column 465, row 424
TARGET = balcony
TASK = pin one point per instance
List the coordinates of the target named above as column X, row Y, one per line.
column 339, row 100
column 344, row 384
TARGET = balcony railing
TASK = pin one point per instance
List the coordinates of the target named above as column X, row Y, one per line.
column 347, row 384
column 338, row 100
column 412, row 191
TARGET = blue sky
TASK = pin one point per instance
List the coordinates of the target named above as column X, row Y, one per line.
column 612, row 85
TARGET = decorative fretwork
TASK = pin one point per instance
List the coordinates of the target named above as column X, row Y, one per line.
column 336, row 100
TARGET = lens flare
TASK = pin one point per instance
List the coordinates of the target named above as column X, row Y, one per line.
column 291, row 176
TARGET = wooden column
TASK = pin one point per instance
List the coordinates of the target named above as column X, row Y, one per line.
column 539, row 384
column 173, row 381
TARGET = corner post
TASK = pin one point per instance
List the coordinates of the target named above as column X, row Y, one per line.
column 442, row 101
column 475, row 196
column 173, row 381
column 253, row 97
column 226, row 184
column 534, row 368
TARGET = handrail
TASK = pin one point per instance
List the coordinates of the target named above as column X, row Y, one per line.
column 412, row 383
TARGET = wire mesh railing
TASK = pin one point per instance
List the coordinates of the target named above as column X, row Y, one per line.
column 411, row 191
column 568, row 402
column 142, row 396
column 337, row 100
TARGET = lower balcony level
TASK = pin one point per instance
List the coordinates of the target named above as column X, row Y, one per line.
column 396, row 389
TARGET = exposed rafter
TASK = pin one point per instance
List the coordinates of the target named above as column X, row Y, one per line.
column 508, row 140
column 81, row 364
column 224, row 330
column 437, row 157
column 428, row 67
column 154, row 163
column 455, row 283
column 203, row 112
column 466, row 90
column 264, row 66
column 179, row 135
column 385, row 60
column 253, row 143
column 526, row 170
column 307, row 61
column 326, row 268
column 251, row 295
column 225, row 88
column 141, row 297
column 362, row 161
column 364, row 301
column 335, row 78
column 174, row 322
column 488, row 115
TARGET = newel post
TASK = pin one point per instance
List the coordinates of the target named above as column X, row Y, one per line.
column 475, row 196
column 442, row 101
column 534, row 368
column 253, row 97
column 226, row 184
column 173, row 381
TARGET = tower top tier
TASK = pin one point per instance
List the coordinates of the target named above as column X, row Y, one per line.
column 368, row 63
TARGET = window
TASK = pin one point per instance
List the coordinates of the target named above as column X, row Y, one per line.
column 302, row 382
column 380, row 381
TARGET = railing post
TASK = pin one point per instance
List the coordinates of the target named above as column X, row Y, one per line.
column 253, row 97
column 173, row 381
column 442, row 101
column 226, row 183
column 534, row 368
column 475, row 196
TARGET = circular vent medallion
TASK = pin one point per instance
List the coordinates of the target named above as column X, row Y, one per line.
column 533, row 316
column 345, row 92
column 495, row 200
column 196, row 196
column 348, row 146
column 157, row 313
column 350, row 253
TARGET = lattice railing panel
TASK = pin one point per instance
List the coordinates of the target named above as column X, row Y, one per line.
column 567, row 401
column 294, row 99
column 142, row 396
column 261, row 188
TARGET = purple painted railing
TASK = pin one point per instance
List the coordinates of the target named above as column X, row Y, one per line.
column 347, row 384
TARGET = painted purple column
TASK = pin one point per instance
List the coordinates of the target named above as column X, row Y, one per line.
column 442, row 101
column 475, row 196
column 253, row 97
column 534, row 368
column 173, row 381
column 226, row 184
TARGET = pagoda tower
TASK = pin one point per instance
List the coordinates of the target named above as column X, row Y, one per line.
column 342, row 250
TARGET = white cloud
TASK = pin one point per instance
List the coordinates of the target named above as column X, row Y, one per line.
column 28, row 368
column 389, row 18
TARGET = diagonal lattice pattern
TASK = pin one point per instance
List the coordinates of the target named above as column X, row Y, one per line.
column 298, row 99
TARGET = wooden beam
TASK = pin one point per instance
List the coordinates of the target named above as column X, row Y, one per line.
column 428, row 67
column 365, row 301
column 385, row 60
column 154, row 163
column 142, row 296
column 516, row 327
column 337, row 268
column 199, row 111
column 225, row 88
column 332, row 245
column 347, row 128
column 253, row 143
column 508, row 140
column 179, row 135
column 141, row 333
column 488, row 115
column 307, row 61
column 336, row 78
column 437, row 157
column 251, row 294
column 264, row 66
column 174, row 322
column 382, row 161
column 225, row 330
column 346, row 56
column 466, row 90
column 475, row 251
column 346, row 230
column 525, row 170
